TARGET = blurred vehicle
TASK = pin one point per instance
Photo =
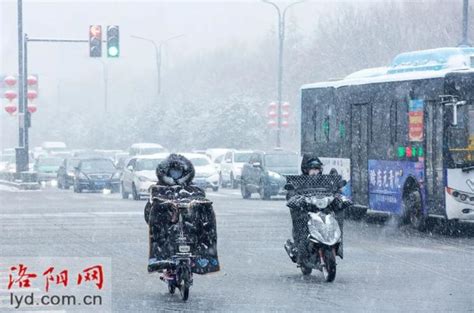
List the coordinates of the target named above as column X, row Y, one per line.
column 47, row 168
column 120, row 158
column 146, row 149
column 216, row 152
column 265, row 173
column 96, row 174
column 139, row 175
column 206, row 174
column 217, row 162
column 199, row 151
column 66, row 172
column 110, row 154
column 86, row 154
column 231, row 167
column 54, row 147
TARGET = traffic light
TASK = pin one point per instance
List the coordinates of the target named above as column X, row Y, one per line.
column 95, row 41
column 113, row 48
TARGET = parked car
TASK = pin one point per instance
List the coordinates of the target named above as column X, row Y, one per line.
column 231, row 167
column 206, row 175
column 96, row 174
column 265, row 173
column 66, row 172
column 146, row 149
column 139, row 174
column 47, row 168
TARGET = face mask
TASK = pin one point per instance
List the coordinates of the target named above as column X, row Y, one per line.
column 314, row 171
column 176, row 173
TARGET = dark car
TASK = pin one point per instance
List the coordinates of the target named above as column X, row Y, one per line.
column 96, row 174
column 265, row 173
column 66, row 172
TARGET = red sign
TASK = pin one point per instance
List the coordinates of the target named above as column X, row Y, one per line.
column 415, row 120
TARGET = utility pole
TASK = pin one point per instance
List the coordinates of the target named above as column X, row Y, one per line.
column 465, row 23
column 281, row 39
column 105, row 74
column 22, row 150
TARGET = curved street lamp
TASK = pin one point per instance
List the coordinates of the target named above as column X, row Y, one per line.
column 281, row 39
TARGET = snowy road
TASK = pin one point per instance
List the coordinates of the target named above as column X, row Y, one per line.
column 385, row 269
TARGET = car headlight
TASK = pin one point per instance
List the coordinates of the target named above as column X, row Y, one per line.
column 274, row 175
column 70, row 173
column 116, row 175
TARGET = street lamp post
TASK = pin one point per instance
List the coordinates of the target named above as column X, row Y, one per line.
column 158, row 48
column 281, row 39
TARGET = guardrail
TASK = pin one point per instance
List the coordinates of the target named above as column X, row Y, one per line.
column 23, row 180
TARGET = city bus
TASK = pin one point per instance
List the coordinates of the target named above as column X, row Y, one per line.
column 403, row 134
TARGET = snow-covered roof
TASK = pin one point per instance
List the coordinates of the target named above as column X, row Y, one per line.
column 195, row 156
column 53, row 144
column 162, row 155
column 385, row 78
column 146, row 145
column 416, row 65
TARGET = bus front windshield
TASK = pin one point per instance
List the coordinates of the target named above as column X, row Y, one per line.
column 460, row 137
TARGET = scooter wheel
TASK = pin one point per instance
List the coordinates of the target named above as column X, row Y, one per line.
column 306, row 270
column 329, row 269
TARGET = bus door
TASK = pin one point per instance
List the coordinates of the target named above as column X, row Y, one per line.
column 359, row 150
column 434, row 158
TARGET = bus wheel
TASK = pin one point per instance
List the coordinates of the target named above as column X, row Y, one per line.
column 414, row 210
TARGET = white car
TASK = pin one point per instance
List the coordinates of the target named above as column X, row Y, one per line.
column 146, row 149
column 206, row 175
column 139, row 174
column 231, row 167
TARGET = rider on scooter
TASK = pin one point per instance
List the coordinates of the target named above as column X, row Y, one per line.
column 311, row 165
column 175, row 175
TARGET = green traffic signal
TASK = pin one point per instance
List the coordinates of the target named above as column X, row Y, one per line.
column 113, row 52
column 113, row 36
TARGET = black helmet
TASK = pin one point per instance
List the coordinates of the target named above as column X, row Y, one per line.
column 175, row 170
column 310, row 161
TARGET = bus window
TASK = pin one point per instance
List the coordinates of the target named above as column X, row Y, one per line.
column 461, row 137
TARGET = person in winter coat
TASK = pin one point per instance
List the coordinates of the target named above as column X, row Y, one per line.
column 311, row 165
column 175, row 175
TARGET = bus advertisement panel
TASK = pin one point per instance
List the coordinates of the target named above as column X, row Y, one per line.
column 386, row 179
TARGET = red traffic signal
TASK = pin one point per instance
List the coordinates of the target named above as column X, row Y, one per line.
column 95, row 41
